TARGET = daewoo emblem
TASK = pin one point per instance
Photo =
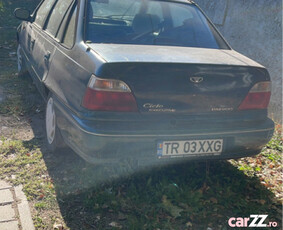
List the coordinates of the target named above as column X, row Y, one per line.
column 196, row 79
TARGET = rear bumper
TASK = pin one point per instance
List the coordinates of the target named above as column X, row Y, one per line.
column 95, row 145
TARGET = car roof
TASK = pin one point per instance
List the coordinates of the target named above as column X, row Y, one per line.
column 182, row 1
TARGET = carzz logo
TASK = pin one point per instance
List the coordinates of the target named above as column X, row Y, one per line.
column 254, row 221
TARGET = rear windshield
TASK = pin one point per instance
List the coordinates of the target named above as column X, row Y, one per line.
column 149, row 22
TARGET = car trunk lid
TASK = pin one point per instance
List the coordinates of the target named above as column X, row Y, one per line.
column 181, row 80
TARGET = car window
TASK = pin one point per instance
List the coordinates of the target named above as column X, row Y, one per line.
column 180, row 14
column 191, row 27
column 69, row 37
column 150, row 22
column 155, row 9
column 43, row 11
column 57, row 16
column 124, row 8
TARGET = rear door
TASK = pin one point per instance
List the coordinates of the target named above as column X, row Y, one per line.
column 66, row 72
column 35, row 42
column 46, row 37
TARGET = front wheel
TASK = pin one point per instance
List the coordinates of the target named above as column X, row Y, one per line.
column 53, row 135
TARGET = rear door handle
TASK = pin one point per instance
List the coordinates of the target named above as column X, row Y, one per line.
column 32, row 43
column 47, row 56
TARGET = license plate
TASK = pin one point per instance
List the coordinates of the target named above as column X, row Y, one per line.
column 189, row 147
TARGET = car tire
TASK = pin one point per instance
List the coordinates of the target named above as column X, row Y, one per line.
column 54, row 138
column 22, row 69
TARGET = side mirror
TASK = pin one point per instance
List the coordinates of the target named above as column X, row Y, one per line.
column 22, row 14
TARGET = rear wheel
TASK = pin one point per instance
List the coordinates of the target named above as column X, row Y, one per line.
column 53, row 136
column 22, row 70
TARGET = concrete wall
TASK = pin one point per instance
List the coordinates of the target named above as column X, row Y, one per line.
column 253, row 28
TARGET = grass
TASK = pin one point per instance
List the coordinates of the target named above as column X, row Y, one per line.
column 275, row 144
column 22, row 163
column 267, row 166
column 17, row 103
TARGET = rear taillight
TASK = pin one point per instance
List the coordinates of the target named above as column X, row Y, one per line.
column 109, row 95
column 258, row 97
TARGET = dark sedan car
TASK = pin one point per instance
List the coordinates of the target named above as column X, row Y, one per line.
column 142, row 78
